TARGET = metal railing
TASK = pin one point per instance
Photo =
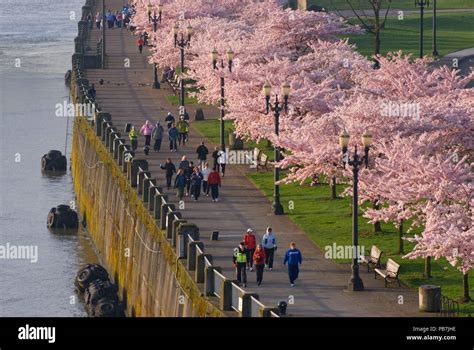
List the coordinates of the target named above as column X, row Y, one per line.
column 256, row 307
column 237, row 293
column 218, row 281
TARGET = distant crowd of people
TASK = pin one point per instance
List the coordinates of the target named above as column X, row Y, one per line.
column 118, row 19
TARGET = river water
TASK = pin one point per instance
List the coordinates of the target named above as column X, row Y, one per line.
column 36, row 44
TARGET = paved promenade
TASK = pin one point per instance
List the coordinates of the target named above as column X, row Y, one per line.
column 128, row 96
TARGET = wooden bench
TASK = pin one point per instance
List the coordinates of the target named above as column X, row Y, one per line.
column 390, row 274
column 262, row 161
column 174, row 83
column 373, row 260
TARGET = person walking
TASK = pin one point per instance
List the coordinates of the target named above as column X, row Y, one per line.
column 259, row 262
column 169, row 120
column 170, row 170
column 184, row 164
column 173, row 137
column 269, row 243
column 214, row 182
column 180, row 184
column 119, row 17
column 294, row 258
column 202, row 153
column 205, row 171
column 188, row 172
column 110, row 19
column 133, row 135
column 240, row 264
column 98, row 20
column 219, row 160
column 215, row 156
column 140, row 44
column 183, row 129
column 146, row 130
column 196, row 182
column 157, row 136
column 250, row 241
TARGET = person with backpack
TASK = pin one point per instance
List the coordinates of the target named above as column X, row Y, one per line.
column 146, row 130
column 196, row 182
column 133, row 135
column 157, row 135
column 202, row 153
column 269, row 243
column 250, row 241
column 173, row 137
column 214, row 182
column 239, row 260
column 140, row 44
column 180, row 184
column 294, row 258
column 170, row 170
column 259, row 262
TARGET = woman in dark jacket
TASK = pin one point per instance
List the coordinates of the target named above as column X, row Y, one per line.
column 170, row 170
column 180, row 183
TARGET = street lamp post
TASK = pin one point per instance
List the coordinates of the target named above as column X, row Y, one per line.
column 102, row 56
column 435, row 48
column 421, row 4
column 355, row 283
column 277, row 107
column 182, row 43
column 230, row 58
column 155, row 19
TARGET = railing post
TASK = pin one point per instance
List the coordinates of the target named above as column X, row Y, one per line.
column 247, row 303
column 200, row 267
column 101, row 118
column 152, row 191
column 141, row 178
column 165, row 208
column 134, row 168
column 117, row 143
column 146, row 188
column 226, row 295
column 192, row 254
column 209, row 276
column 175, row 230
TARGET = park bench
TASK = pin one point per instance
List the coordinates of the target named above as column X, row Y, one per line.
column 390, row 273
column 262, row 160
column 174, row 83
column 373, row 260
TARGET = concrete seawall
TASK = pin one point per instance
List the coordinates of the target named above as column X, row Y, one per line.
column 152, row 281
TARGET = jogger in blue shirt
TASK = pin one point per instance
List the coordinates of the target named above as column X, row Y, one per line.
column 294, row 258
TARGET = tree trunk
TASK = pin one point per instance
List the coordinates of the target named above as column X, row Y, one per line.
column 465, row 284
column 377, row 225
column 427, row 273
column 333, row 188
column 400, row 238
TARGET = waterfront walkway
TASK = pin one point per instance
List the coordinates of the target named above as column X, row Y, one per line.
column 320, row 290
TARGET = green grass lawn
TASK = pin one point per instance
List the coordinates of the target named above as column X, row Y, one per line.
column 396, row 4
column 174, row 100
column 454, row 33
column 328, row 221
